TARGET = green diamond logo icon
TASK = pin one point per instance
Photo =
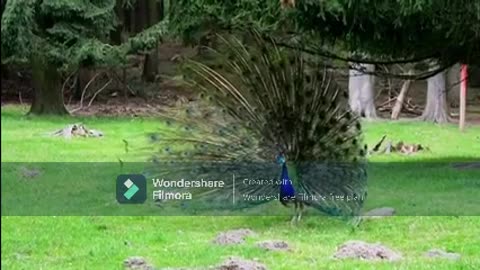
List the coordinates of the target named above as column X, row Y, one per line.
column 131, row 188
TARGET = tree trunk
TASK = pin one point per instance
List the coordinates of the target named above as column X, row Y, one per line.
column 361, row 92
column 150, row 66
column 397, row 108
column 436, row 107
column 116, row 34
column 453, row 85
column 141, row 14
column 131, row 18
column 474, row 76
column 48, row 98
column 83, row 77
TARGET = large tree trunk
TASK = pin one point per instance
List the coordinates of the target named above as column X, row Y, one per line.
column 453, row 85
column 150, row 66
column 361, row 92
column 84, row 76
column 474, row 76
column 48, row 98
column 141, row 15
column 116, row 34
column 436, row 107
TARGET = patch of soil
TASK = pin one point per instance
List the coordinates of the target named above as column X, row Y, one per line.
column 274, row 245
column 233, row 237
column 466, row 165
column 169, row 95
column 438, row 253
column 234, row 263
column 77, row 130
column 379, row 213
column 137, row 263
column 366, row 251
column 30, row 173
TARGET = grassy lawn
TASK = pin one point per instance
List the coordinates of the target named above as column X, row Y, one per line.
column 418, row 184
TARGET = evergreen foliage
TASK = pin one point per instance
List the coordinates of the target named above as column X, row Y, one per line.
column 399, row 31
column 68, row 33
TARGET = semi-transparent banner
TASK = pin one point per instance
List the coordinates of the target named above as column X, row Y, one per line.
column 201, row 188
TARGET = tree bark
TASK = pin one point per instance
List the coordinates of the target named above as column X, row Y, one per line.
column 141, row 15
column 474, row 76
column 116, row 34
column 453, row 85
column 436, row 105
column 83, row 77
column 48, row 98
column 361, row 92
column 397, row 108
column 150, row 66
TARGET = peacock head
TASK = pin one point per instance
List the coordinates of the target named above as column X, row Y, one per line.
column 281, row 159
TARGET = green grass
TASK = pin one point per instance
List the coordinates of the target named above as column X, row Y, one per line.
column 103, row 242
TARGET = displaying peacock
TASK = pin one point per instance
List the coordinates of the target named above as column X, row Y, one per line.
column 272, row 124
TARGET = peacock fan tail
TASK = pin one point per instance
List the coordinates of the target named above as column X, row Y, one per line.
column 276, row 126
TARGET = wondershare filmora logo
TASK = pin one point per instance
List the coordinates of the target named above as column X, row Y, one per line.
column 131, row 188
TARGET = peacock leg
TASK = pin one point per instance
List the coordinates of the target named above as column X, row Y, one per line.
column 295, row 216
column 300, row 211
column 293, row 221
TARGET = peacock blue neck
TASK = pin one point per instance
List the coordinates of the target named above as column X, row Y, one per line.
column 286, row 188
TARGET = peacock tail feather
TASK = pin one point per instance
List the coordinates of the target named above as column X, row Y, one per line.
column 263, row 101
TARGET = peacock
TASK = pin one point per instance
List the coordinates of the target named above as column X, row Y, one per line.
column 270, row 123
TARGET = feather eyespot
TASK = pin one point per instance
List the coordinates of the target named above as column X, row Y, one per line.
column 358, row 126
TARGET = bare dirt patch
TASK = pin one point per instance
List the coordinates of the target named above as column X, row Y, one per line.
column 137, row 263
column 235, row 263
column 379, row 213
column 77, row 130
column 274, row 245
column 366, row 251
column 231, row 263
column 442, row 254
column 30, row 173
column 467, row 165
column 233, row 237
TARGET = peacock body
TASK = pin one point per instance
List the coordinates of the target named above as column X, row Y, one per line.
column 272, row 115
